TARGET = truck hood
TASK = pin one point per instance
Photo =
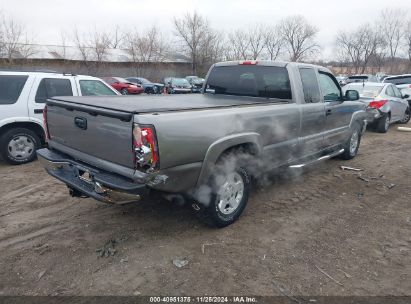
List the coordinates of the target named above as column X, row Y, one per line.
column 162, row 103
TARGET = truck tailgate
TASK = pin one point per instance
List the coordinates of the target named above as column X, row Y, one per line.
column 103, row 134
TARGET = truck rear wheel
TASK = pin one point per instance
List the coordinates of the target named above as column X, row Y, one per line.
column 18, row 146
column 230, row 187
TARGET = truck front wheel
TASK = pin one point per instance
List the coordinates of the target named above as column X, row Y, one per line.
column 229, row 189
column 18, row 146
column 353, row 143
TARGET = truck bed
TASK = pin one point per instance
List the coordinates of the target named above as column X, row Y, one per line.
column 150, row 104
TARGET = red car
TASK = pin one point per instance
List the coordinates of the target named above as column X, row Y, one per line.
column 123, row 86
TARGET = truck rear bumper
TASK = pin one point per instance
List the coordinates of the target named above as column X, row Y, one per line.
column 100, row 185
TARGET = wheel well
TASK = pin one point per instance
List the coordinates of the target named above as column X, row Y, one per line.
column 28, row 125
column 247, row 148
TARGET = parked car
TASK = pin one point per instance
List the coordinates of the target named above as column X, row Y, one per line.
column 342, row 80
column 362, row 78
column 22, row 99
column 203, row 148
column 403, row 82
column 177, row 85
column 196, row 83
column 149, row 87
column 385, row 104
column 124, row 86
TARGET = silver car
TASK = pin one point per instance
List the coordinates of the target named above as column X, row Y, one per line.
column 385, row 104
column 403, row 83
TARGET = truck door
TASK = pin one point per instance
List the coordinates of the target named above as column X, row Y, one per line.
column 44, row 88
column 313, row 114
column 337, row 113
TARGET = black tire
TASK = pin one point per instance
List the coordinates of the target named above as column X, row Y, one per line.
column 31, row 138
column 124, row 91
column 208, row 210
column 407, row 116
column 154, row 89
column 381, row 125
column 350, row 151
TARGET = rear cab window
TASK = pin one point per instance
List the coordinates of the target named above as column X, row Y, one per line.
column 94, row 88
column 250, row 80
column 50, row 87
column 11, row 87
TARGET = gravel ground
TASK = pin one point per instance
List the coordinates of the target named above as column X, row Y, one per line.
column 324, row 232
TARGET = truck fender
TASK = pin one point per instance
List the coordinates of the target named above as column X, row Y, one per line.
column 221, row 145
column 358, row 116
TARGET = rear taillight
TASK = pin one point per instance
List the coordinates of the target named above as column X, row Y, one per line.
column 145, row 148
column 376, row 104
column 248, row 62
column 45, row 127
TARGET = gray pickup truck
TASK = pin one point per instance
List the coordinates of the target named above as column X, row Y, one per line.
column 252, row 117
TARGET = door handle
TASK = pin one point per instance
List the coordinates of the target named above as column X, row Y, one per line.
column 38, row 111
column 328, row 112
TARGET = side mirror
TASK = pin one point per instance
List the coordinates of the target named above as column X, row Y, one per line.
column 352, row 95
column 405, row 96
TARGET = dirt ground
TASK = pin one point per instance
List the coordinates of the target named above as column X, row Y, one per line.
column 325, row 232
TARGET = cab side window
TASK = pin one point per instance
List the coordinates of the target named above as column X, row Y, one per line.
column 329, row 88
column 310, row 85
column 50, row 87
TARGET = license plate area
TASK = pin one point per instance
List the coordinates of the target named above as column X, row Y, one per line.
column 84, row 175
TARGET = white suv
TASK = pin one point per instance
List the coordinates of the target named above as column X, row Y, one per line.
column 22, row 99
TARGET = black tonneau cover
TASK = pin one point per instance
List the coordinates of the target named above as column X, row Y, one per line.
column 151, row 104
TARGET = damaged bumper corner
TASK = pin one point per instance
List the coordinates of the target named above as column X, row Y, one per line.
column 91, row 182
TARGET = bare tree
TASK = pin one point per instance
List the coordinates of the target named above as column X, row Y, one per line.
column 299, row 37
column 15, row 42
column 256, row 38
column 274, row 42
column 212, row 48
column 148, row 46
column 192, row 29
column 99, row 43
column 93, row 47
column 359, row 46
column 117, row 38
column 239, row 45
column 407, row 41
column 391, row 24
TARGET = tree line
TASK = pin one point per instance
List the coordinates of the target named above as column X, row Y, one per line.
column 384, row 43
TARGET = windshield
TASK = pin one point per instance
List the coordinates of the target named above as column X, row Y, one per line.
column 370, row 91
column 119, row 79
column 398, row 80
column 143, row 80
column 250, row 80
column 180, row 82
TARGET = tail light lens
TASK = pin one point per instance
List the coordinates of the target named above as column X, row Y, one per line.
column 145, row 148
column 45, row 127
column 248, row 62
column 376, row 104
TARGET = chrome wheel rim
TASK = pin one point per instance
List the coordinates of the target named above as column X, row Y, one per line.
column 21, row 147
column 406, row 117
column 231, row 193
column 354, row 142
column 387, row 123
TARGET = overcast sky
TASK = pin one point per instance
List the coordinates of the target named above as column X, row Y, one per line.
column 46, row 18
